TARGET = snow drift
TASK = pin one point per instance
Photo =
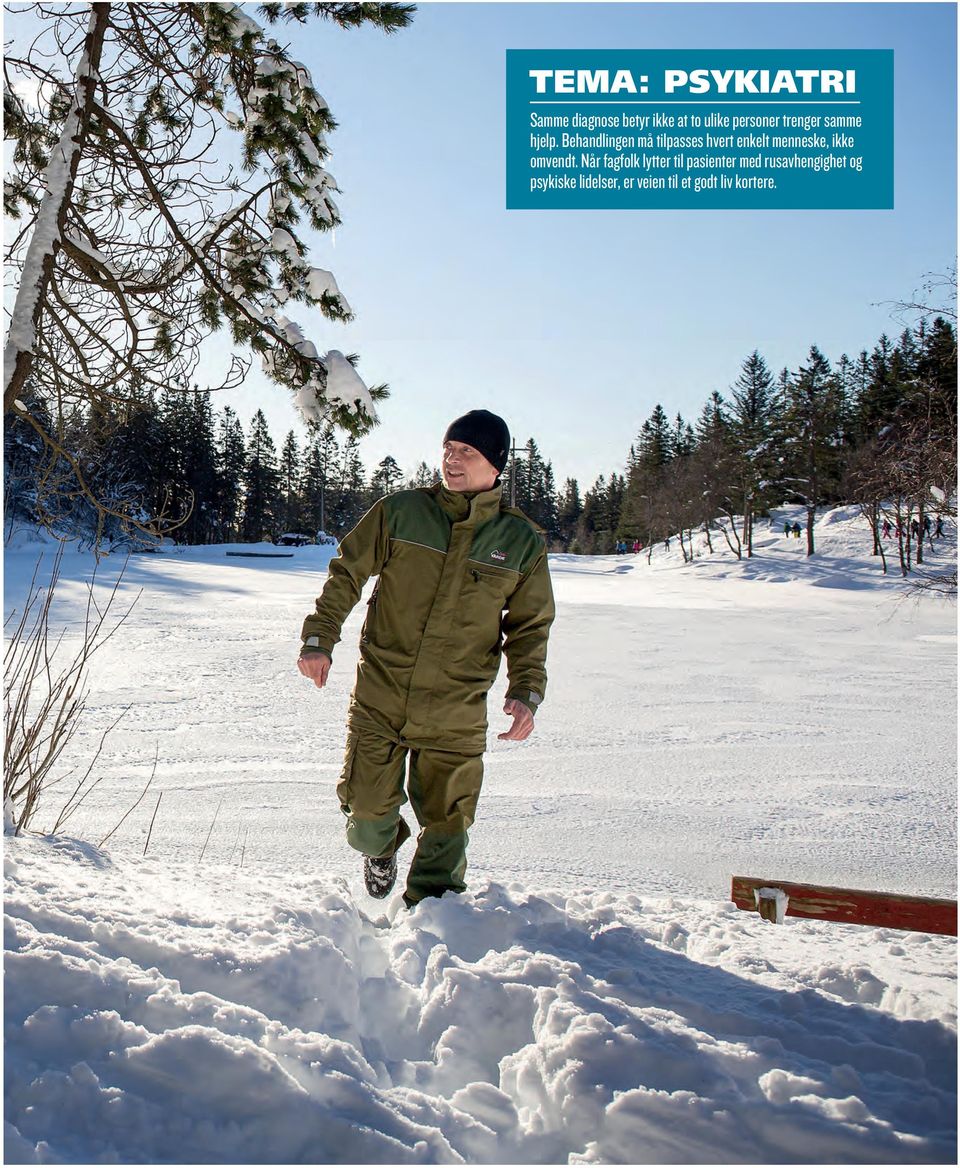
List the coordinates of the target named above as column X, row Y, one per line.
column 593, row 998
column 160, row 1013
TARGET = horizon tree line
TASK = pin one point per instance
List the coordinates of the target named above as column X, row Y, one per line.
column 878, row 431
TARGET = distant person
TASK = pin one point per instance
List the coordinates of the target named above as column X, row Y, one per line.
column 914, row 527
column 939, row 531
column 796, row 531
column 927, row 525
column 636, row 546
column 666, row 543
column 787, row 528
column 461, row 576
column 887, row 529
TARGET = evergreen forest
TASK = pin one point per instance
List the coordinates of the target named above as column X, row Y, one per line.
column 878, row 430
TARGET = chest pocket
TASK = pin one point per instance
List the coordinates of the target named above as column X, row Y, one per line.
column 483, row 597
column 488, row 587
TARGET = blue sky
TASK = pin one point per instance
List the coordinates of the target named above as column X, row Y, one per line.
column 574, row 324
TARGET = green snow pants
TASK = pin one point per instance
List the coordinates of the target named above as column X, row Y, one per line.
column 443, row 786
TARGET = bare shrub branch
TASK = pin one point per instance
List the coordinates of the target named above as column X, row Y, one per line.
column 46, row 694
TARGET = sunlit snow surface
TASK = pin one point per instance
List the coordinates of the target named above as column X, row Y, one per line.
column 593, row 998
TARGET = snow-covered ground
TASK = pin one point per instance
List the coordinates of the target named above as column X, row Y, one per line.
column 594, row 998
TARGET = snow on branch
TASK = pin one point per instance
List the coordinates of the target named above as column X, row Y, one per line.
column 142, row 231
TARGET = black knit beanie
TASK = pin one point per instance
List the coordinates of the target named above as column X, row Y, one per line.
column 485, row 432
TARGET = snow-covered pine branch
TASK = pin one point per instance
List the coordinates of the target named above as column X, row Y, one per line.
column 167, row 158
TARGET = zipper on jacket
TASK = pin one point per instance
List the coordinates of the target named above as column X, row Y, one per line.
column 371, row 610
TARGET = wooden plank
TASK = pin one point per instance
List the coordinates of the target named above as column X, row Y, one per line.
column 921, row 914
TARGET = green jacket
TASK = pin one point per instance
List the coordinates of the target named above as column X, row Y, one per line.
column 462, row 578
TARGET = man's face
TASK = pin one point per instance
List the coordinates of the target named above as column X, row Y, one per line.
column 465, row 468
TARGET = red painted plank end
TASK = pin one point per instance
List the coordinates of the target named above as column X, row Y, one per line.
column 853, row 906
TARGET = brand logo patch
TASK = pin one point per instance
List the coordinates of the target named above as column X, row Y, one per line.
column 498, row 555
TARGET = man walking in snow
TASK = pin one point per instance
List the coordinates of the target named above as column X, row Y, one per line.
column 462, row 578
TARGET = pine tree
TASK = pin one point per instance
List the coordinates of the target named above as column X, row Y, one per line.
column 593, row 536
column 716, row 473
column 261, row 501
column 289, row 482
column 347, row 498
column 877, row 403
column 123, row 453
column 752, row 437
column 424, row 476
column 171, row 473
column 846, row 375
column 681, row 439
column 200, row 469
column 230, row 462
column 813, row 420
column 713, row 422
column 385, row 479
column 549, row 518
column 28, row 465
column 134, row 220
column 616, row 492
column 641, row 512
column 319, row 471
column 569, row 510
column 936, row 374
column 655, row 443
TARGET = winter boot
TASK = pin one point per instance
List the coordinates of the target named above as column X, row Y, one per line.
column 379, row 875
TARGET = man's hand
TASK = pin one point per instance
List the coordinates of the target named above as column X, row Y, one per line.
column 522, row 721
column 315, row 666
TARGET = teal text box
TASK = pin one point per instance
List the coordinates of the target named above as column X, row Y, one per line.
column 699, row 129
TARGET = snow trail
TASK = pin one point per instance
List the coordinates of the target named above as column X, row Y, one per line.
column 593, row 998
column 156, row 1012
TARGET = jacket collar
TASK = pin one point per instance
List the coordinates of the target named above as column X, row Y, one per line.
column 475, row 507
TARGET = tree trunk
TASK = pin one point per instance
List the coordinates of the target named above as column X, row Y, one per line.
column 813, row 493
column 904, row 565
column 747, row 523
column 873, row 513
column 48, row 230
column 737, row 550
column 883, row 559
column 921, row 516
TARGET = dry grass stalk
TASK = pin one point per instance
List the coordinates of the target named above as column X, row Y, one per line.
column 46, row 694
